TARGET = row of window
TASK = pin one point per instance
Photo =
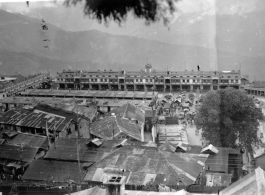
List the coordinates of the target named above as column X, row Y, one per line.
column 72, row 75
column 151, row 80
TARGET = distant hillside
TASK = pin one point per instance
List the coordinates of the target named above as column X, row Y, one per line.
column 21, row 50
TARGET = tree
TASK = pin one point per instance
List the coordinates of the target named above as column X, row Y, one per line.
column 229, row 118
column 105, row 10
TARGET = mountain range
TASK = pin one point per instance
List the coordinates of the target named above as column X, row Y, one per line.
column 23, row 50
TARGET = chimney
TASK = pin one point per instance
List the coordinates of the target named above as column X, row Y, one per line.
column 114, row 181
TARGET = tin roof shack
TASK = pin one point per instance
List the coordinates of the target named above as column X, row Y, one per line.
column 224, row 160
column 53, row 171
column 143, row 164
column 14, row 160
column 69, row 104
column 36, row 120
column 30, row 140
column 11, row 138
column 116, row 128
column 65, row 149
column 253, row 183
column 223, row 165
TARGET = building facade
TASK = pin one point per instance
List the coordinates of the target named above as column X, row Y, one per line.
column 148, row 80
column 12, row 88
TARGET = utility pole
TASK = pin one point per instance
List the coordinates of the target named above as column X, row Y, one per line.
column 47, row 134
column 20, row 153
column 77, row 148
column 54, row 133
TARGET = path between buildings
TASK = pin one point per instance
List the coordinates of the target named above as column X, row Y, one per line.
column 193, row 138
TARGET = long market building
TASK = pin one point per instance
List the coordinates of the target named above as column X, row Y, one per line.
column 148, row 80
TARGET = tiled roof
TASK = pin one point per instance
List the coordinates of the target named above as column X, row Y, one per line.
column 29, row 140
column 131, row 112
column 66, row 149
column 50, row 170
column 129, row 127
column 142, row 163
column 16, row 153
column 106, row 127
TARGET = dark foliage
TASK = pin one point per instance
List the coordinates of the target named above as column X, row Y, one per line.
column 229, row 118
column 117, row 10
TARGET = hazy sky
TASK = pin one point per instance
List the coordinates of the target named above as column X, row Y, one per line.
column 73, row 18
column 235, row 26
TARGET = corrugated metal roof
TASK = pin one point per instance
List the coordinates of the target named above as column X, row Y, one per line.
column 50, row 170
column 184, row 165
column 57, row 118
column 66, row 149
column 140, row 162
column 215, row 162
column 137, row 161
column 16, row 153
column 34, row 118
column 30, row 140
